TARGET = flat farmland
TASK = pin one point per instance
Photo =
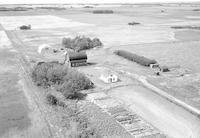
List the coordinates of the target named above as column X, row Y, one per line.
column 153, row 38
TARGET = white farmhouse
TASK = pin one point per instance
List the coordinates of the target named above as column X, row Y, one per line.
column 108, row 77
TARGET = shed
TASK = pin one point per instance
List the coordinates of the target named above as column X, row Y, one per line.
column 108, row 76
column 164, row 69
column 25, row 27
column 156, row 65
column 75, row 59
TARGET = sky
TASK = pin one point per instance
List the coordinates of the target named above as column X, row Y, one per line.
column 88, row 1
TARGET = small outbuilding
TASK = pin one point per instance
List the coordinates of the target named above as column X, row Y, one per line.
column 43, row 47
column 25, row 27
column 133, row 23
column 75, row 59
column 108, row 76
column 164, row 69
column 156, row 65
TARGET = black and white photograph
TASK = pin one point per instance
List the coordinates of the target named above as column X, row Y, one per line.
column 99, row 68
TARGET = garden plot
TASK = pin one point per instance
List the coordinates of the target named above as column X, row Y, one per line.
column 39, row 22
column 130, row 121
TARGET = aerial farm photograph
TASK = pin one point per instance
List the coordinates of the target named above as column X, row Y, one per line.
column 99, row 69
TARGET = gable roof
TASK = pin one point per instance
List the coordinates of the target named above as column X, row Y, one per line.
column 77, row 55
column 107, row 72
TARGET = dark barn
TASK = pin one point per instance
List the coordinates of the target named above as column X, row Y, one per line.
column 76, row 58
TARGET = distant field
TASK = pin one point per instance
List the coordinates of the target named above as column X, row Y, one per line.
column 187, row 35
column 38, row 22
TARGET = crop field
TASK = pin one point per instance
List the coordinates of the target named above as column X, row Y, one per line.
column 23, row 104
column 46, row 21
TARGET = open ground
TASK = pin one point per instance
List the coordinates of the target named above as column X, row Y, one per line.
column 24, row 112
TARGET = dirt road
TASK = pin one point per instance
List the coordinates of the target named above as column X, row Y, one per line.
column 168, row 117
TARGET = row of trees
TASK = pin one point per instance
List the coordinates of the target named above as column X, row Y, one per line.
column 69, row 82
column 136, row 58
column 66, row 80
column 81, row 43
column 103, row 11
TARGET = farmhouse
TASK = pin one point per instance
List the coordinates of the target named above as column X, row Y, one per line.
column 74, row 59
column 108, row 76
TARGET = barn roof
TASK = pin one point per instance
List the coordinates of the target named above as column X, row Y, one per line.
column 77, row 55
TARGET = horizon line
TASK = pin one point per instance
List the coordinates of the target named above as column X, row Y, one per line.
column 123, row 3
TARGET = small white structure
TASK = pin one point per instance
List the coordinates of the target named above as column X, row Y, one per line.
column 43, row 46
column 108, row 76
column 154, row 65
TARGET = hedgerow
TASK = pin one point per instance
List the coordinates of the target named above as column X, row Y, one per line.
column 103, row 11
column 136, row 58
column 133, row 23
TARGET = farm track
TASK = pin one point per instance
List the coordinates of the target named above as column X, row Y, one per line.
column 37, row 102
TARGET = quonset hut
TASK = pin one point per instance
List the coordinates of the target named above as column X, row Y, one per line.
column 75, row 59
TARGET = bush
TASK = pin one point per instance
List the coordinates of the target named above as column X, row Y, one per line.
column 103, row 11
column 66, row 80
column 46, row 74
column 51, row 8
column 15, row 9
column 84, row 128
column 196, row 9
column 67, row 42
column 96, row 42
column 25, row 27
column 133, row 57
column 81, row 43
column 186, row 27
column 133, row 23
column 88, row 7
column 73, row 83
column 52, row 100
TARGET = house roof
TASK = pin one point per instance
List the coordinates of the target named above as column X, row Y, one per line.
column 107, row 72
